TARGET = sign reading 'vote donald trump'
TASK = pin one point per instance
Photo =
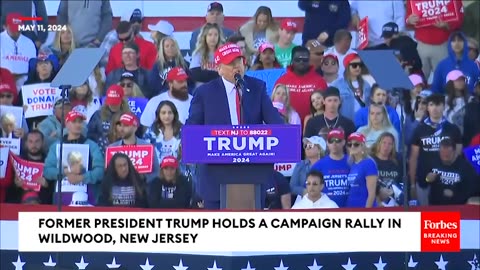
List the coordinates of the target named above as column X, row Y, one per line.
column 241, row 144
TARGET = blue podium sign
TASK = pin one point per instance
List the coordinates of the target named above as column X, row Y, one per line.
column 241, row 144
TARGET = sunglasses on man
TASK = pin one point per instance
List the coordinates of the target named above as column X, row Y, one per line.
column 334, row 140
column 6, row 95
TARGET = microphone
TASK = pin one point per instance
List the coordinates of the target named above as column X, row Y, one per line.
column 239, row 81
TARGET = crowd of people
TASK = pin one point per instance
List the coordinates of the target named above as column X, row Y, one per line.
column 355, row 138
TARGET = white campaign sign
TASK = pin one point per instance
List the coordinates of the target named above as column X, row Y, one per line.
column 39, row 99
column 7, row 145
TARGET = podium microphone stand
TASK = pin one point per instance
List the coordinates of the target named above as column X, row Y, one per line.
column 75, row 72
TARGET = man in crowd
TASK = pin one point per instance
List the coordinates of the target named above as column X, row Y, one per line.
column 284, row 47
column 90, row 20
column 214, row 15
column 135, row 17
column 451, row 178
column 74, row 122
column 378, row 15
column 342, row 41
column 16, row 50
column 34, row 152
column 28, row 8
column 314, row 197
column 301, row 80
column 425, row 146
column 331, row 118
column 146, row 51
column 208, row 107
column 432, row 39
column 471, row 121
column 324, row 18
column 177, row 93
column 129, row 125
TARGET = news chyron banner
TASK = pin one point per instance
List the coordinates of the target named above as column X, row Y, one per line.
column 238, row 232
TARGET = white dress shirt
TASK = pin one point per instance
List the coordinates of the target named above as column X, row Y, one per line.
column 232, row 100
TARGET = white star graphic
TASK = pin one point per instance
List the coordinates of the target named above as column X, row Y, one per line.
column 315, row 266
column 248, row 267
column 114, row 264
column 187, row 57
column 474, row 262
column 214, row 267
column 50, row 262
column 441, row 263
column 380, row 265
column 147, row 265
column 281, row 266
column 18, row 264
column 180, row 266
column 82, row 265
column 412, row 263
column 349, row 265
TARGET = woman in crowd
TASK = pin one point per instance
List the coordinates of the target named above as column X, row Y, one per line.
column 281, row 101
column 63, row 44
column 171, row 189
column 115, row 128
column 262, row 28
column 378, row 122
column 457, row 98
column 314, row 197
column 317, row 107
column 335, row 168
column 419, row 109
column 82, row 100
column 329, row 68
column 203, row 66
column 99, row 125
column 96, row 81
column 122, row 185
column 169, row 56
column 41, row 70
column 265, row 58
column 164, row 133
column 354, row 91
column 315, row 148
column 363, row 174
column 163, row 29
column 130, row 87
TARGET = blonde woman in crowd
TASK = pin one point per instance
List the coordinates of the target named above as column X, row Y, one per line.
column 63, row 44
column 262, row 28
column 378, row 123
column 203, row 66
column 130, row 87
column 363, row 174
column 317, row 107
column 115, row 128
column 315, row 149
column 169, row 56
column 281, row 100
column 82, row 100
column 96, row 81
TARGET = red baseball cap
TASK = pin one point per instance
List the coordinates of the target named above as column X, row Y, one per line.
column 330, row 55
column 227, row 53
column 129, row 119
column 114, row 95
column 358, row 137
column 177, row 74
column 265, row 46
column 349, row 58
column 169, row 162
column 336, row 133
column 289, row 25
column 72, row 115
column 13, row 20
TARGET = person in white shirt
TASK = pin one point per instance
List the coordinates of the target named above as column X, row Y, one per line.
column 341, row 48
column 378, row 14
column 16, row 50
column 177, row 94
column 314, row 198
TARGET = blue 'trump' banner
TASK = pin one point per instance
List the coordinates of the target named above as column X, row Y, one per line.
column 241, row 144
column 473, row 155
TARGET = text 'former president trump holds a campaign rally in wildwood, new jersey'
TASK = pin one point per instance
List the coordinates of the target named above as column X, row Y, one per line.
column 218, row 103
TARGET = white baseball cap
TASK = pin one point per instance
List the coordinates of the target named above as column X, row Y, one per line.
column 316, row 140
column 163, row 27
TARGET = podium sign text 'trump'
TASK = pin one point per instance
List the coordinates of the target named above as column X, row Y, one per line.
column 241, row 144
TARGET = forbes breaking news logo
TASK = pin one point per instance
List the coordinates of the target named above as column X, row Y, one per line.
column 440, row 232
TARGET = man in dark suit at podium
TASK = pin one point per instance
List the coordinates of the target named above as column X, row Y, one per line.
column 226, row 101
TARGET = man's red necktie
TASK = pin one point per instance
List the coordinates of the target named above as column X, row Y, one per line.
column 239, row 106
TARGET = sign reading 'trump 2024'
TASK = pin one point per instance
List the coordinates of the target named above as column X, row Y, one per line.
column 241, row 144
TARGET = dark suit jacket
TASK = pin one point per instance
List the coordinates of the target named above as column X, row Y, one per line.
column 209, row 106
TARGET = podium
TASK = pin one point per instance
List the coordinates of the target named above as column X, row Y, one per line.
column 240, row 159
